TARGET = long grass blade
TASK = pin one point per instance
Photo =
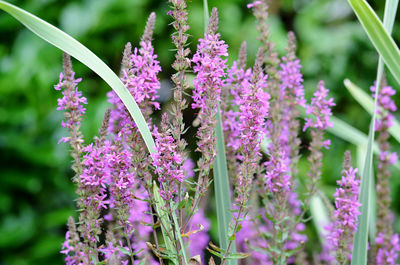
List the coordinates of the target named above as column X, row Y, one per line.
column 367, row 103
column 166, row 227
column 221, row 186
column 390, row 54
column 361, row 152
column 360, row 244
column 378, row 35
column 66, row 43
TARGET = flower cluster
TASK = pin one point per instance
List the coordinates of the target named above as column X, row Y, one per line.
column 237, row 79
column 320, row 108
column 167, row 161
column 72, row 101
column 121, row 214
column 344, row 226
column 389, row 249
column 141, row 81
column 386, row 246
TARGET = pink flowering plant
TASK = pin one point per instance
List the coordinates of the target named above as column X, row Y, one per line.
column 141, row 203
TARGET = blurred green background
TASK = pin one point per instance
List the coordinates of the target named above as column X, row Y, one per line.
column 36, row 194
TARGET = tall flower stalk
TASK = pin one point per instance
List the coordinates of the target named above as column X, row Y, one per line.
column 344, row 220
column 253, row 103
column 387, row 245
column 209, row 68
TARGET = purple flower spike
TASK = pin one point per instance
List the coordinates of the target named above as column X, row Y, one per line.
column 386, row 246
column 344, row 226
column 388, row 252
column 72, row 103
column 320, row 108
column 209, row 68
column 141, row 81
column 167, row 161
column 292, row 79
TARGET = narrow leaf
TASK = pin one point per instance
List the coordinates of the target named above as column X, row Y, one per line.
column 178, row 234
column 376, row 32
column 390, row 54
column 367, row 103
column 361, row 152
column 66, row 43
column 221, row 187
column 166, row 227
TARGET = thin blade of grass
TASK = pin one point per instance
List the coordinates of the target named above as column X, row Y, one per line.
column 66, row 43
column 361, row 152
column 360, row 244
column 178, row 233
column 367, row 103
column 378, row 35
column 390, row 54
column 222, row 188
column 166, row 227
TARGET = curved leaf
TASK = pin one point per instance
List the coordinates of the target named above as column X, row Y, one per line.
column 66, row 43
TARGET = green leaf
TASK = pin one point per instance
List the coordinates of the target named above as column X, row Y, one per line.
column 390, row 54
column 367, row 103
column 124, row 251
column 360, row 244
column 376, row 32
column 178, row 233
column 166, row 227
column 361, row 152
column 74, row 48
column 347, row 132
column 222, row 191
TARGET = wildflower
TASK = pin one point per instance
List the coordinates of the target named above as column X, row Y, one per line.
column 72, row 103
column 344, row 225
column 167, row 162
column 386, row 248
column 320, row 108
column 238, row 80
column 291, row 82
column 181, row 64
column 72, row 247
column 388, row 251
column 209, row 68
column 140, row 79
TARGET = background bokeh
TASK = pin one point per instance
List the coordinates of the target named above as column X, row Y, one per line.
column 36, row 194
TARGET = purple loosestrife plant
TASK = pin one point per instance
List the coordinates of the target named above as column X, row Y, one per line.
column 122, row 213
column 139, row 74
column 73, row 105
column 253, row 103
column 209, row 68
column 387, row 246
column 167, row 161
column 253, row 106
column 292, row 83
column 237, row 78
column 344, row 220
column 320, row 109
